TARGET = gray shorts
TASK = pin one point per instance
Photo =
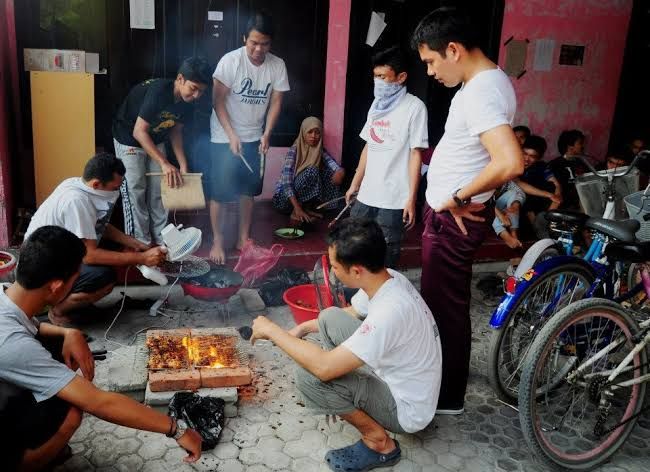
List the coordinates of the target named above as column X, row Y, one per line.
column 358, row 390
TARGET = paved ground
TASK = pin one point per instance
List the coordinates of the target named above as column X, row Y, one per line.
column 273, row 431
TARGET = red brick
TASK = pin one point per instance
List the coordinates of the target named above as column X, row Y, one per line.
column 213, row 378
column 169, row 380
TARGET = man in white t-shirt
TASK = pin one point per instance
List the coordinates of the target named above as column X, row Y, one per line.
column 83, row 206
column 381, row 372
column 388, row 173
column 477, row 153
column 247, row 98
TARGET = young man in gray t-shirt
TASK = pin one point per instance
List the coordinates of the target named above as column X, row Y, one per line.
column 42, row 399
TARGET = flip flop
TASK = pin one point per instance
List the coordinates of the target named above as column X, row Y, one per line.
column 358, row 458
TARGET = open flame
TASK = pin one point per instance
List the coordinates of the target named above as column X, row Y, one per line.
column 198, row 355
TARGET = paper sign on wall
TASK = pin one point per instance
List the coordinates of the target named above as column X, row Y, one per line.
column 543, row 54
column 516, row 51
column 215, row 16
column 142, row 14
column 377, row 26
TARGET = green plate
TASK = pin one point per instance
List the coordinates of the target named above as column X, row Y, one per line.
column 289, row 233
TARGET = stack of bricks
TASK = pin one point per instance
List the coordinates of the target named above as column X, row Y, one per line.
column 194, row 378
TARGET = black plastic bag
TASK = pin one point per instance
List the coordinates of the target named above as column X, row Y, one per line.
column 274, row 287
column 203, row 414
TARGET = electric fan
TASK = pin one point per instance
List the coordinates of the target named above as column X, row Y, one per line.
column 179, row 244
column 329, row 289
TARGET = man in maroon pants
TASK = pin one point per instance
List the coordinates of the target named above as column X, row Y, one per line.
column 477, row 153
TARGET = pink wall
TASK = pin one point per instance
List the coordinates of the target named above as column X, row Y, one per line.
column 569, row 96
column 8, row 112
column 338, row 32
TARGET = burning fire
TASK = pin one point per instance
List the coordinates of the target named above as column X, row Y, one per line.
column 195, row 354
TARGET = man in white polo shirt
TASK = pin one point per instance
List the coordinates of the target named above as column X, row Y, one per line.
column 478, row 153
column 378, row 366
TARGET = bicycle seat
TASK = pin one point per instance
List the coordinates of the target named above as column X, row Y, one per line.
column 623, row 230
column 629, row 252
column 566, row 217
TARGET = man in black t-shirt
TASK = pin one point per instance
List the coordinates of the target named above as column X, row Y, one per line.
column 152, row 113
column 567, row 167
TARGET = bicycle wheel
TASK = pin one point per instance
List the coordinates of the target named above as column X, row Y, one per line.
column 508, row 346
column 571, row 415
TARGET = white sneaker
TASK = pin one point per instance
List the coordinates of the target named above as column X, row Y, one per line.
column 450, row 411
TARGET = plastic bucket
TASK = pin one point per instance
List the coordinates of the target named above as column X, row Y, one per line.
column 303, row 302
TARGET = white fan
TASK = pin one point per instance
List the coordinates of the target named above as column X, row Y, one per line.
column 179, row 244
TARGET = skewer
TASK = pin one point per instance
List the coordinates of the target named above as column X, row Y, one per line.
column 241, row 156
column 333, row 222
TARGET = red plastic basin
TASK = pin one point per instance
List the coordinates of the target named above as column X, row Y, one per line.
column 209, row 293
column 307, row 309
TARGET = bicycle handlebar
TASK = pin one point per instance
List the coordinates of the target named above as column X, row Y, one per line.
column 605, row 174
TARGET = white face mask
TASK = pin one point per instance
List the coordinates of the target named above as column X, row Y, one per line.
column 385, row 89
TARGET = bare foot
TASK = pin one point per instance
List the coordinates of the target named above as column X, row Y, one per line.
column 57, row 319
column 242, row 243
column 217, row 254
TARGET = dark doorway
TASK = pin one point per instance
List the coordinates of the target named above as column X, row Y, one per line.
column 182, row 29
column 631, row 118
column 402, row 18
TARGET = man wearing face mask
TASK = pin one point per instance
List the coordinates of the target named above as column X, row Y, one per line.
column 83, row 206
column 388, row 173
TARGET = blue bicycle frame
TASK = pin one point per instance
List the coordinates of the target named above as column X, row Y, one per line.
column 591, row 262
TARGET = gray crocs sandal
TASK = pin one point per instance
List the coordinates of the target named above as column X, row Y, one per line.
column 358, row 458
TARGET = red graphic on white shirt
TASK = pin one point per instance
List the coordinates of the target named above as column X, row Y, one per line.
column 374, row 136
column 380, row 131
column 365, row 328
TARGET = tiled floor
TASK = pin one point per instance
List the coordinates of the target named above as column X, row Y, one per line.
column 273, row 431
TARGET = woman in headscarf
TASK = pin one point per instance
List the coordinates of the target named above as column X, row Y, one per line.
column 310, row 175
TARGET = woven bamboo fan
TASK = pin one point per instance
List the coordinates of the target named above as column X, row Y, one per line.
column 188, row 197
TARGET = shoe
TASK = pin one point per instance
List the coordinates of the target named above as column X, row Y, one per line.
column 450, row 411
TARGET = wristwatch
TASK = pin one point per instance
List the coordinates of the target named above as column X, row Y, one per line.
column 460, row 202
column 181, row 427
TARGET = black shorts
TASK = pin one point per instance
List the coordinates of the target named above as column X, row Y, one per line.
column 27, row 424
column 92, row 278
column 228, row 177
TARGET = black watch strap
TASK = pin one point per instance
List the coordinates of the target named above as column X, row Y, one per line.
column 459, row 201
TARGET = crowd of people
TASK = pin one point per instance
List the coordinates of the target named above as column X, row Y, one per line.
column 549, row 185
column 391, row 361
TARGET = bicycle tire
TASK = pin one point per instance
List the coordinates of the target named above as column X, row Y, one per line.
column 498, row 359
column 565, row 454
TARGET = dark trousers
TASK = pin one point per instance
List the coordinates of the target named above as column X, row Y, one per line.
column 447, row 256
column 391, row 224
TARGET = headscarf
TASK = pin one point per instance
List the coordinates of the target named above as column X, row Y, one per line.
column 306, row 155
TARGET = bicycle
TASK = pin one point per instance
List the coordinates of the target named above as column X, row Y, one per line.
column 584, row 381
column 546, row 281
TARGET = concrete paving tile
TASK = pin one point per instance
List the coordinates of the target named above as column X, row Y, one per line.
column 129, row 463
column 230, row 465
column 251, row 455
column 208, row 463
column 406, row 465
column 226, row 451
column 155, row 449
column 450, row 461
column 304, row 464
column 103, row 450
